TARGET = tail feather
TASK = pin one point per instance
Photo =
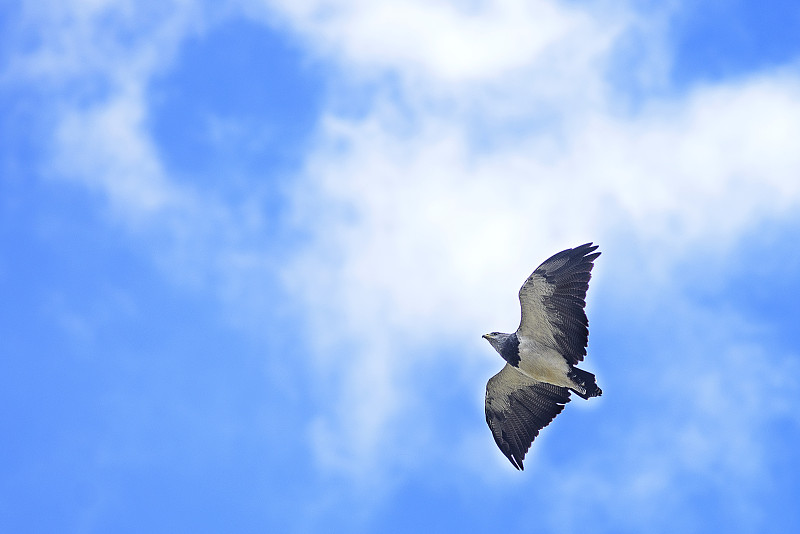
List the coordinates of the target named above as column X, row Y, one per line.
column 585, row 382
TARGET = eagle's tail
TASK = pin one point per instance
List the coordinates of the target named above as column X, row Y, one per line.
column 586, row 385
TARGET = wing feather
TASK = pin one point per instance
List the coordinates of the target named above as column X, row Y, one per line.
column 517, row 408
column 553, row 299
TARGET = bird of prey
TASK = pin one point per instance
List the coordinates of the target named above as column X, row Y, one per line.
column 541, row 356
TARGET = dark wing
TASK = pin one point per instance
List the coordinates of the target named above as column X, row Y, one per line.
column 517, row 408
column 552, row 301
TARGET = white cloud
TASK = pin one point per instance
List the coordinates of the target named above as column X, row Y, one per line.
column 447, row 41
column 424, row 234
column 97, row 60
column 437, row 239
column 107, row 148
column 84, row 47
column 93, row 60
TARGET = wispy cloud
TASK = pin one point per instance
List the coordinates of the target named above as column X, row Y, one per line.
column 94, row 64
column 108, row 149
column 93, row 81
column 424, row 227
column 445, row 42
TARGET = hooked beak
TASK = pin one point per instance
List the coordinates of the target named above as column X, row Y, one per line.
column 486, row 336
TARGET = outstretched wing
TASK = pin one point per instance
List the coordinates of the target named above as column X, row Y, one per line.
column 552, row 301
column 517, row 408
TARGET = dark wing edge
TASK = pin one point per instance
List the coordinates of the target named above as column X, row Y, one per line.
column 557, row 291
column 517, row 408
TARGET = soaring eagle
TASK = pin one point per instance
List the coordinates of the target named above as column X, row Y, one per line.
column 541, row 355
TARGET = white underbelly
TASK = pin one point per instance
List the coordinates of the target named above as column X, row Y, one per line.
column 543, row 363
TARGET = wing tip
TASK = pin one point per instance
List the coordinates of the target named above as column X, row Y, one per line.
column 587, row 250
column 569, row 260
column 515, row 461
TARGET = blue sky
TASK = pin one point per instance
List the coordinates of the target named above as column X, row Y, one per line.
column 249, row 249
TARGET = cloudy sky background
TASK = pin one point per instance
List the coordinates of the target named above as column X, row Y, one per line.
column 248, row 249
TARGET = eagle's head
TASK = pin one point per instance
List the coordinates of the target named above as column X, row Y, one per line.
column 497, row 340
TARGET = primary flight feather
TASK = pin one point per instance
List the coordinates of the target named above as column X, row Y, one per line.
column 541, row 355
